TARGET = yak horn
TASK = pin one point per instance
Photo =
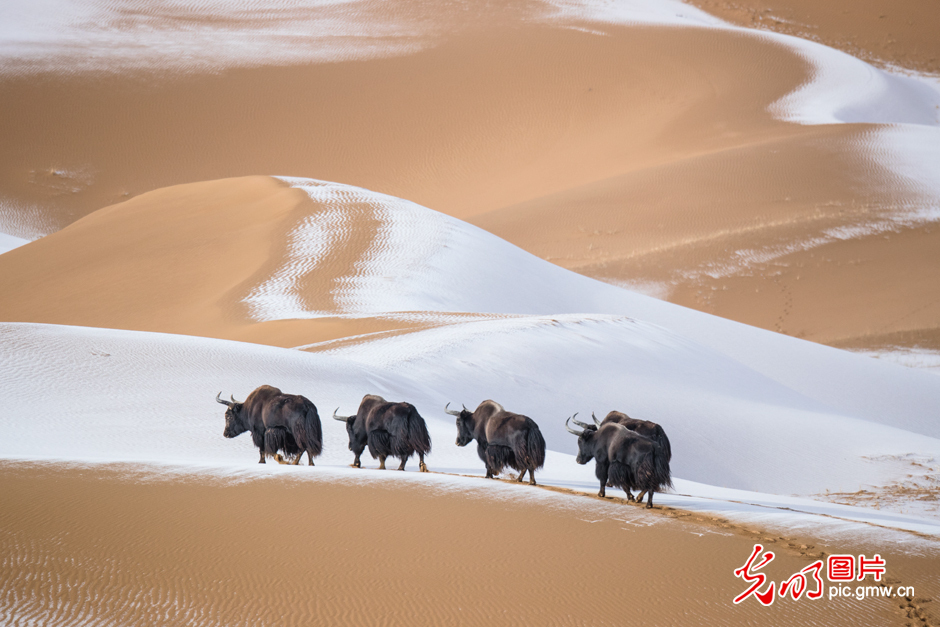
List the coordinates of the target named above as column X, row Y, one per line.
column 451, row 411
column 341, row 418
column 596, row 421
column 570, row 430
column 232, row 396
column 583, row 425
column 219, row 400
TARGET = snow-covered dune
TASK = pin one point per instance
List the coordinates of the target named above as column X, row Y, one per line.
column 98, row 395
column 746, row 408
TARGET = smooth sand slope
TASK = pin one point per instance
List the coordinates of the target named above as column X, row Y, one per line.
column 645, row 154
column 182, row 260
column 138, row 549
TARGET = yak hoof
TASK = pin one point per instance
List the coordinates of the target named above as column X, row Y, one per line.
column 532, row 482
column 423, row 467
column 649, row 506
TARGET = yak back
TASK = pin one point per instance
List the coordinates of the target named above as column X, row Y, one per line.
column 642, row 459
column 519, row 433
column 644, row 427
column 298, row 416
column 407, row 431
column 252, row 409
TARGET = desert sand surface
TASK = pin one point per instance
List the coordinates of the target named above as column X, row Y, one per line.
column 571, row 207
column 108, row 545
column 900, row 34
column 643, row 155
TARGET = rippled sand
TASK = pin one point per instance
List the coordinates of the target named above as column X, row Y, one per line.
column 112, row 546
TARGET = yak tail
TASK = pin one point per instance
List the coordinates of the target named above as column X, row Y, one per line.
column 659, row 436
column 418, row 437
column 308, row 432
column 662, row 474
column 535, row 448
column 620, row 476
column 652, row 473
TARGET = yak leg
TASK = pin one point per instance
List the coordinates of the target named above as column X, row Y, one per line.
column 402, row 466
column 421, row 465
column 522, row 474
column 262, row 461
column 649, row 501
column 381, row 462
column 309, row 458
column 356, row 462
column 639, row 497
column 601, row 473
column 532, row 476
column 297, row 459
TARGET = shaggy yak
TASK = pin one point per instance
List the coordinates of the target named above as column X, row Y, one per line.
column 389, row 429
column 503, row 438
column 624, row 458
column 644, row 427
column 285, row 422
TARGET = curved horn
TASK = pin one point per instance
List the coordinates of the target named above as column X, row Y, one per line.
column 218, row 399
column 596, row 421
column 570, row 430
column 583, row 425
column 232, row 396
column 452, row 412
column 340, row 418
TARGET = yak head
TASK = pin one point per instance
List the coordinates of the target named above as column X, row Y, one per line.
column 585, row 439
column 350, row 423
column 234, row 420
column 465, row 424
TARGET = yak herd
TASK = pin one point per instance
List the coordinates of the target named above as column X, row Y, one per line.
column 629, row 454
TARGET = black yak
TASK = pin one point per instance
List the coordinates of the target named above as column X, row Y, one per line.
column 503, row 438
column 285, row 422
column 625, row 458
column 644, row 427
column 389, row 429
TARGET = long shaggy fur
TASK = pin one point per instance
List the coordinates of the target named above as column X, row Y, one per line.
column 659, row 436
column 409, row 434
column 277, row 439
column 380, row 443
column 535, row 449
column 498, row 457
column 620, row 476
column 308, row 432
column 652, row 473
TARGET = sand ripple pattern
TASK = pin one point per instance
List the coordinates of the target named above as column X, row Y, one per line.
column 82, row 546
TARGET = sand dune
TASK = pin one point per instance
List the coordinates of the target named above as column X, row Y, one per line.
column 640, row 155
column 760, row 177
column 138, row 549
